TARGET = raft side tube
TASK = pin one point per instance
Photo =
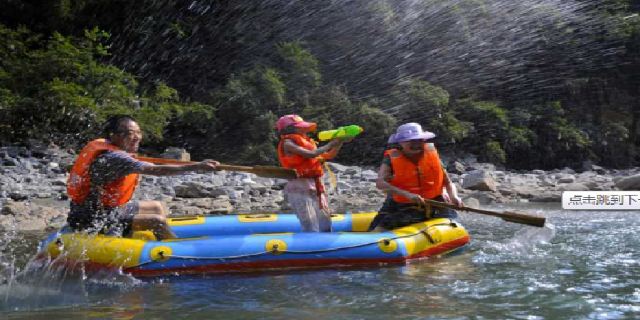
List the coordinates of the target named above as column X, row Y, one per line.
column 197, row 226
column 260, row 251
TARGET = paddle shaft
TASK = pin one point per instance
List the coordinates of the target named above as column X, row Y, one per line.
column 264, row 171
column 175, row 161
column 515, row 217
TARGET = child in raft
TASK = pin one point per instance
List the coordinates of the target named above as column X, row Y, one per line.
column 306, row 194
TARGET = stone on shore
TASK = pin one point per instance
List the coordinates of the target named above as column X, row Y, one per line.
column 629, row 183
column 478, row 180
column 28, row 217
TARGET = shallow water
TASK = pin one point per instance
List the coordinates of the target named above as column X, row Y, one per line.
column 585, row 265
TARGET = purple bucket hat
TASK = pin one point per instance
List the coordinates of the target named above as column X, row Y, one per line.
column 410, row 131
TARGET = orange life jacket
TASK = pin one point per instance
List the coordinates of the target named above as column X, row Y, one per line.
column 425, row 178
column 306, row 167
column 113, row 194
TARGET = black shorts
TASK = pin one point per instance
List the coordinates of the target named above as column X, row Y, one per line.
column 114, row 221
column 394, row 215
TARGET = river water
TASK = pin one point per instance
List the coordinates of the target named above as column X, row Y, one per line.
column 584, row 265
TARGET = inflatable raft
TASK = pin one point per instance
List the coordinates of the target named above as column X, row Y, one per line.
column 254, row 242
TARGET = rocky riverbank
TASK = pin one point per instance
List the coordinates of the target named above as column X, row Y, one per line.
column 33, row 187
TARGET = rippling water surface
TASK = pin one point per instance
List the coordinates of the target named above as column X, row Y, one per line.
column 584, row 265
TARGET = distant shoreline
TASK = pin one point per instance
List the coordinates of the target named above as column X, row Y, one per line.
column 33, row 188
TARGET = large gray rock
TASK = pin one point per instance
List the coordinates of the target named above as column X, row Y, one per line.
column 342, row 187
column 235, row 195
column 199, row 202
column 59, row 181
column 176, row 153
column 573, row 187
column 196, row 190
column 483, row 166
column 190, row 190
column 369, row 175
column 567, row 179
column 525, row 192
column 485, row 197
column 478, row 180
column 547, row 196
column 7, row 222
column 599, row 186
column 9, row 162
column 24, row 217
column 471, row 202
column 191, row 211
column 220, row 205
column 31, row 224
column 629, row 183
column 14, row 208
column 13, row 151
column 337, row 168
column 260, row 188
column 456, row 167
column 18, row 195
column 547, row 181
column 529, row 180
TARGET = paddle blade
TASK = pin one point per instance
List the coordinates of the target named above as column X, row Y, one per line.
column 523, row 219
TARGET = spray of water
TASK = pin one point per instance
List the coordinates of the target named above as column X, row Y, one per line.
column 466, row 46
column 42, row 282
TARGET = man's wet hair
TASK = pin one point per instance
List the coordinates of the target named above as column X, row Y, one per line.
column 112, row 125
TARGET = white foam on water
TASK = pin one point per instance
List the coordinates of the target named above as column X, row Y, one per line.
column 46, row 283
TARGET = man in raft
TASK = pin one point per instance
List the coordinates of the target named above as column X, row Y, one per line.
column 296, row 150
column 104, row 177
column 409, row 175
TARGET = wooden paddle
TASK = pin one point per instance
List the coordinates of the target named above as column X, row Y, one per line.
column 516, row 217
column 261, row 171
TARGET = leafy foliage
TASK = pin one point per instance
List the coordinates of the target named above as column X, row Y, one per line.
column 419, row 101
column 556, row 86
column 251, row 102
column 57, row 89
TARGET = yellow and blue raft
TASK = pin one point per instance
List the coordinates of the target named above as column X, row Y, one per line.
column 253, row 242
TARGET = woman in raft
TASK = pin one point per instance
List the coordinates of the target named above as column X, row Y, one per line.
column 409, row 175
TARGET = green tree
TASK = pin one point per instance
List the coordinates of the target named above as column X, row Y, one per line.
column 300, row 70
column 559, row 142
column 57, row 89
column 243, row 106
column 416, row 100
column 331, row 108
column 489, row 127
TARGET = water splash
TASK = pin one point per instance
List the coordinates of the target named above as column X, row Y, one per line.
column 526, row 239
column 526, row 47
column 526, row 245
column 41, row 282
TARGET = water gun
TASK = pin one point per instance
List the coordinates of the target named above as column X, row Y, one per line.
column 349, row 131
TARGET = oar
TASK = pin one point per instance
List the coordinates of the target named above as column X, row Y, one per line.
column 261, row 171
column 516, row 217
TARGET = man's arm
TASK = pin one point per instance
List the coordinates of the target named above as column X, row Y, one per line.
column 112, row 165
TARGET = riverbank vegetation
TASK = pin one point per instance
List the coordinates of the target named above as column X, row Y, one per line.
column 213, row 78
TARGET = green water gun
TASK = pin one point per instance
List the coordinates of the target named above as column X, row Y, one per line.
column 349, row 131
